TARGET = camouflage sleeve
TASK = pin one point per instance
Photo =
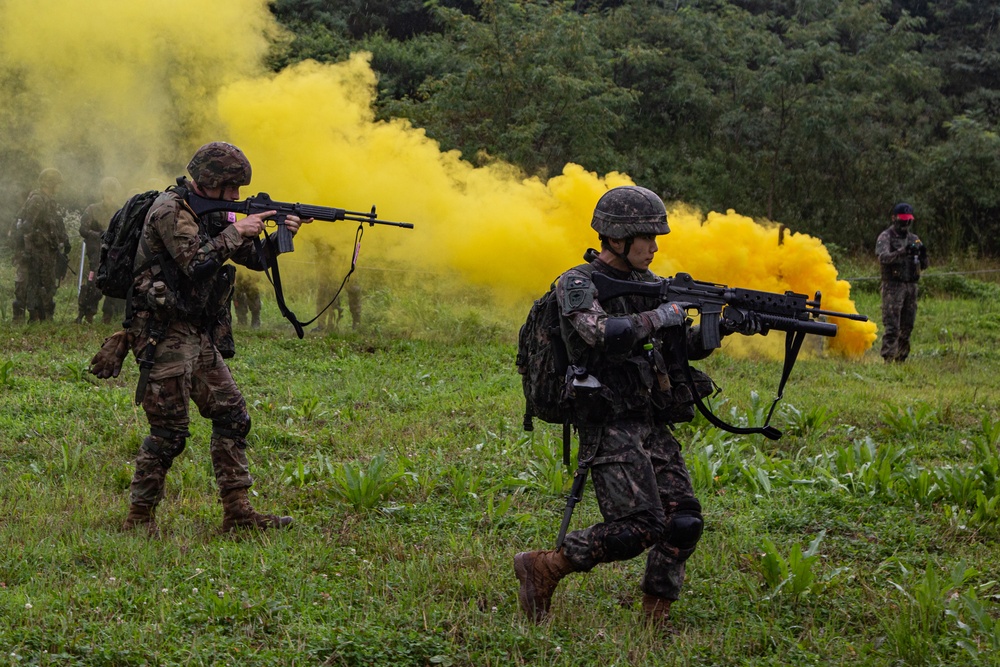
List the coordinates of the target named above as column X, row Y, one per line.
column 579, row 306
column 90, row 228
column 175, row 231
column 884, row 250
column 247, row 255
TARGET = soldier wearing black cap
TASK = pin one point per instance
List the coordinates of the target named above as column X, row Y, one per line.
column 902, row 257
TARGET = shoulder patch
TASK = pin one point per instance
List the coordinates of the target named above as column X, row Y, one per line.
column 578, row 292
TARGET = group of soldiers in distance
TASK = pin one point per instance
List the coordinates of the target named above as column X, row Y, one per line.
column 40, row 250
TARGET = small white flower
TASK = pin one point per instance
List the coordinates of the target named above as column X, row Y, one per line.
column 221, row 594
column 27, row 605
column 194, row 590
column 164, row 590
column 112, row 579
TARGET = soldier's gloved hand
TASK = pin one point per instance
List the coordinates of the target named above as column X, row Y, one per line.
column 739, row 321
column 669, row 314
column 107, row 363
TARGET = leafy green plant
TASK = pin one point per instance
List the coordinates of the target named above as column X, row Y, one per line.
column 365, row 486
column 78, row 371
column 909, row 420
column 794, row 574
column 6, row 374
column 813, row 422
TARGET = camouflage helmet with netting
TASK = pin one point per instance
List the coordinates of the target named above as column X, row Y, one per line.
column 218, row 164
column 628, row 211
column 50, row 176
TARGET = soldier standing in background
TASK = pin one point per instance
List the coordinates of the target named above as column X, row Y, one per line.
column 326, row 288
column 246, row 299
column 93, row 222
column 902, row 257
column 42, row 234
column 354, row 303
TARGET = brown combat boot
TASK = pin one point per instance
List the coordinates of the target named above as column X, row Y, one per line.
column 539, row 573
column 237, row 513
column 656, row 609
column 142, row 516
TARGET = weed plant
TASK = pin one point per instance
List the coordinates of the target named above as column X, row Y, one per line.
column 867, row 535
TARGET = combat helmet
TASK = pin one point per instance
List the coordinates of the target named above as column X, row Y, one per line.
column 628, row 211
column 218, row 164
column 50, row 176
column 110, row 188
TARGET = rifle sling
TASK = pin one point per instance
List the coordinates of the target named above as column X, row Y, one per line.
column 792, row 344
column 274, row 276
column 275, row 280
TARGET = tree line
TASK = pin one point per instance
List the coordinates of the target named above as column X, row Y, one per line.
column 820, row 114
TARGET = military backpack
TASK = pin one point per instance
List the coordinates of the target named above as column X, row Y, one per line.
column 119, row 243
column 542, row 361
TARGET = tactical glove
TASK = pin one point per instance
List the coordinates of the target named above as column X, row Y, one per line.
column 739, row 321
column 670, row 314
column 107, row 363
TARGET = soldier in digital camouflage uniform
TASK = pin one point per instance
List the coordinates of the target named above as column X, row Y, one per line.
column 41, row 233
column 181, row 307
column 93, row 222
column 902, row 257
column 642, row 486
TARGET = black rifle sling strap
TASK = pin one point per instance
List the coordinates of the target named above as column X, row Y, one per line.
column 793, row 342
column 274, row 276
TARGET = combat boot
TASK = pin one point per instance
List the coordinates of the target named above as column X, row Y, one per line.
column 656, row 609
column 142, row 516
column 237, row 513
column 539, row 573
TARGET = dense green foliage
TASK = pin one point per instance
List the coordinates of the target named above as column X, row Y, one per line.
column 866, row 536
column 818, row 114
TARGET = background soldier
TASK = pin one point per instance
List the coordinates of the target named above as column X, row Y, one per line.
column 327, row 284
column 180, row 305
column 902, row 257
column 637, row 389
column 42, row 234
column 354, row 302
column 93, row 223
column 246, row 299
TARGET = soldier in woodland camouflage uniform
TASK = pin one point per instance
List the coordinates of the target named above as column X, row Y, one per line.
column 93, row 222
column 180, row 317
column 44, row 255
column 628, row 345
column 902, row 257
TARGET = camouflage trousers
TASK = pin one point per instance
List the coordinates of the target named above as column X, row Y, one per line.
column 640, row 481
column 899, row 312
column 90, row 297
column 189, row 368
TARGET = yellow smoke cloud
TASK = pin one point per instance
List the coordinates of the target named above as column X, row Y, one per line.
column 145, row 83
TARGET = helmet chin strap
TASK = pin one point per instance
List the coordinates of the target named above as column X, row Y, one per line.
column 623, row 255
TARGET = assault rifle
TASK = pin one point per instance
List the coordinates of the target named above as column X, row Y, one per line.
column 263, row 202
column 795, row 314
column 789, row 312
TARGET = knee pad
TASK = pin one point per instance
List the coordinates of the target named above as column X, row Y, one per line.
column 165, row 445
column 236, row 425
column 624, row 544
column 686, row 525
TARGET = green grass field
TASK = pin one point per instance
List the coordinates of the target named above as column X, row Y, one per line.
column 866, row 536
